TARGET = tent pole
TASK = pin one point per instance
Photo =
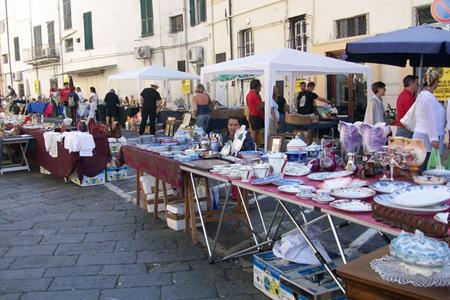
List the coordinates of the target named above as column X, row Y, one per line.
column 420, row 72
column 291, row 92
column 268, row 83
column 369, row 85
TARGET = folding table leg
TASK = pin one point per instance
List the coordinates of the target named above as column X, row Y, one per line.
column 247, row 215
column 138, row 187
column 165, row 198
column 197, row 201
column 260, row 213
column 186, row 204
column 311, row 245
column 156, row 200
column 192, row 214
column 219, row 226
column 336, row 237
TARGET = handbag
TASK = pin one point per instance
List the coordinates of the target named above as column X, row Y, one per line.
column 434, row 162
column 409, row 119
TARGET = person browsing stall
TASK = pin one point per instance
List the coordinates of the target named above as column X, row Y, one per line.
column 404, row 102
column 306, row 98
column 150, row 100
column 233, row 125
column 112, row 102
column 201, row 107
column 255, row 108
column 375, row 112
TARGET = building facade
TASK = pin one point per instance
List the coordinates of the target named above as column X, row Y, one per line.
column 91, row 40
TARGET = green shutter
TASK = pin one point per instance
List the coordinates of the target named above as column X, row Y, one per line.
column 146, row 17
column 192, row 11
column 16, row 49
column 88, row 38
column 202, row 10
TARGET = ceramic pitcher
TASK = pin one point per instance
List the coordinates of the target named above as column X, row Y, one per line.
column 417, row 154
column 277, row 161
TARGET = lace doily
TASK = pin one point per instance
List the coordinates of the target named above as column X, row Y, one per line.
column 390, row 269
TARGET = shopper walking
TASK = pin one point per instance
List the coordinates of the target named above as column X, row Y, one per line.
column 150, row 100
column 201, row 107
column 255, row 109
column 93, row 103
column 404, row 102
column 112, row 102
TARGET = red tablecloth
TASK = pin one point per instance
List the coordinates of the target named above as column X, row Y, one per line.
column 66, row 163
column 166, row 169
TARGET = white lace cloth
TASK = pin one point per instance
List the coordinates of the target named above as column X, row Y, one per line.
column 390, row 269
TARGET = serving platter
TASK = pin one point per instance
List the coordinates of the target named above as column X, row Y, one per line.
column 335, row 183
column 353, row 193
column 429, row 180
column 386, row 200
column 296, row 169
column 351, row 205
column 266, row 180
column 389, row 186
column 323, row 199
column 359, row 182
column 284, row 181
column 321, row 176
column 421, row 195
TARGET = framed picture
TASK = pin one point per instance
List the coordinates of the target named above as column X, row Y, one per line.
column 275, row 143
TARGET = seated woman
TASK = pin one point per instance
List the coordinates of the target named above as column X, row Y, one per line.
column 233, row 126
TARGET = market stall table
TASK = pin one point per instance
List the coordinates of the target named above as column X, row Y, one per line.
column 363, row 283
column 22, row 141
column 164, row 169
column 66, row 163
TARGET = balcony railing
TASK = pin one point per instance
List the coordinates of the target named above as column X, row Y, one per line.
column 40, row 55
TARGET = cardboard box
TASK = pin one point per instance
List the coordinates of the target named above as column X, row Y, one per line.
column 114, row 147
column 42, row 170
column 267, row 269
column 89, row 181
column 274, row 276
column 116, row 173
column 176, row 215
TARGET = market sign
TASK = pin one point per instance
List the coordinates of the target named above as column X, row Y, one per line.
column 442, row 92
column 185, row 87
column 37, row 87
column 440, row 10
column 297, row 85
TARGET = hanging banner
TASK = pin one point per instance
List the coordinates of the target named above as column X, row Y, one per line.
column 442, row 92
column 66, row 78
column 185, row 87
column 37, row 87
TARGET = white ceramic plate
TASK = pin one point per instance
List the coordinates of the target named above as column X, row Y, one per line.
column 328, row 175
column 386, row 200
column 429, row 180
column 353, row 193
column 351, row 205
column 291, row 189
column 442, row 217
column 335, row 183
column 325, row 199
column 359, row 182
column 389, row 186
column 421, row 196
column 295, row 169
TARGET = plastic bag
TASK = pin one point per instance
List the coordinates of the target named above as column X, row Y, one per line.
column 434, row 161
column 446, row 162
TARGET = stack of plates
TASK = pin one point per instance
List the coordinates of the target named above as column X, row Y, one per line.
column 147, row 139
column 417, row 199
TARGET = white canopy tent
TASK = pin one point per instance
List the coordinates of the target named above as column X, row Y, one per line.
column 153, row 72
column 284, row 62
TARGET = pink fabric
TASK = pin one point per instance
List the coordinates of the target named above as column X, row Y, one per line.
column 48, row 110
column 365, row 219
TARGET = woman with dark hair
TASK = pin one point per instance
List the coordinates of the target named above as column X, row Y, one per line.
column 93, row 102
column 255, row 108
column 430, row 115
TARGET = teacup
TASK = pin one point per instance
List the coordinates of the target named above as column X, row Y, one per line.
column 261, row 170
column 246, row 173
column 323, row 194
column 305, row 191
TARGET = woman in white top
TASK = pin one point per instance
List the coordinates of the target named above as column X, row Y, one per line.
column 430, row 115
column 93, row 102
column 274, row 113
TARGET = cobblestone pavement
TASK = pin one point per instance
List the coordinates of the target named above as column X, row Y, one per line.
column 61, row 241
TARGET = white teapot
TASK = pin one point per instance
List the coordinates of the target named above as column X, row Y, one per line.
column 277, row 161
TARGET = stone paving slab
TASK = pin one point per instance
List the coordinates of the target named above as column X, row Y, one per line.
column 60, row 241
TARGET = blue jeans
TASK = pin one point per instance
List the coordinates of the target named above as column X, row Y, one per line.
column 203, row 121
column 403, row 132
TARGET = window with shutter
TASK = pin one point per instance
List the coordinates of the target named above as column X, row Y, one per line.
column 16, row 49
column 67, row 12
column 202, row 10
column 192, row 12
column 197, row 9
column 88, row 38
column 147, row 17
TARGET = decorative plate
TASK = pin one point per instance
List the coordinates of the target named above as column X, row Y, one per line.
column 386, row 200
column 266, row 180
column 282, row 181
column 359, row 182
column 335, row 183
column 389, row 186
column 328, row 175
column 351, row 205
column 291, row 189
column 421, row 196
column 442, row 217
column 323, row 199
column 306, row 196
column 295, row 169
column 353, row 193
column 429, row 180
column 437, row 172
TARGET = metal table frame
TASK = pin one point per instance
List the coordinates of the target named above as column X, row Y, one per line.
column 23, row 144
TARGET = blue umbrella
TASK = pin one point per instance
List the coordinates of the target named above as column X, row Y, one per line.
column 421, row 45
